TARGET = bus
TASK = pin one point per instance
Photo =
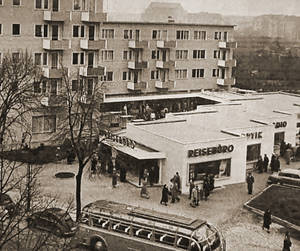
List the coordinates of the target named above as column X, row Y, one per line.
column 110, row 226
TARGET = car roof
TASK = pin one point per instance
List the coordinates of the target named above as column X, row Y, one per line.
column 290, row 170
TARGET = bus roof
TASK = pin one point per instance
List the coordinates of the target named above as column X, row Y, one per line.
column 140, row 215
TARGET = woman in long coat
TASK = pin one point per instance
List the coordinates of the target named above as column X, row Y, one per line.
column 267, row 220
column 164, row 195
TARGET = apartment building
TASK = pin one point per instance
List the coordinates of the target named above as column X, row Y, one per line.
column 137, row 62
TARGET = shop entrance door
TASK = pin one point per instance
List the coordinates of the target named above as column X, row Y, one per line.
column 278, row 138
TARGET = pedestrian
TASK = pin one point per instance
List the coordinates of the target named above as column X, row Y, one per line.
column 94, row 165
column 287, row 242
column 211, row 181
column 174, row 191
column 288, row 153
column 277, row 164
column 193, row 202
column 266, row 163
column 206, row 187
column 146, row 175
column 151, row 175
column 272, row 163
column 267, row 220
column 201, row 192
column 259, row 165
column 250, row 181
column 144, row 191
column 164, row 195
column 192, row 185
column 114, row 177
column 178, row 181
column 198, row 195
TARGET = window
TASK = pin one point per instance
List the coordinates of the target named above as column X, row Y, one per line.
column 218, row 35
column 53, row 87
column 45, row 58
column 78, row 58
column 253, row 152
column 128, row 34
column 15, row 56
column 181, row 74
column 219, row 168
column 108, row 33
column 107, row 55
column 41, row 4
column 200, row 35
column 42, row 124
column 74, row 85
column 182, row 35
column 198, row 54
column 90, row 87
column 215, row 73
column 278, row 138
column 154, row 74
column 16, row 29
column 155, row 54
column 197, row 73
column 0, row 29
column 181, row 54
column 16, row 2
column 50, row 123
column 36, row 87
column 156, row 34
column 79, row 4
column 78, row 30
column 127, row 55
column 225, row 37
column 37, row 124
column 38, row 58
column 217, row 54
column 109, row 76
column 126, row 75
column 41, row 30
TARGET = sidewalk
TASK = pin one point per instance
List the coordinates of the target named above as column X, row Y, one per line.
column 241, row 229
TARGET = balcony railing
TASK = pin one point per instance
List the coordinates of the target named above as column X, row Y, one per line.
column 86, row 44
column 226, row 81
column 227, row 63
column 139, row 86
column 56, row 45
column 55, row 16
column 137, row 65
column 166, row 44
column 91, row 72
column 52, row 73
column 164, row 84
column 93, row 17
column 227, row 45
column 165, row 64
column 133, row 44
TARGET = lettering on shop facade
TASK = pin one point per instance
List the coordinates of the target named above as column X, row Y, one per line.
column 253, row 135
column 120, row 139
column 210, row 150
column 280, row 124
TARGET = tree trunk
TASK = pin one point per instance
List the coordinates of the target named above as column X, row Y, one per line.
column 78, row 190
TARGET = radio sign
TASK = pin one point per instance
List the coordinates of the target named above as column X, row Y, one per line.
column 280, row 124
column 210, row 150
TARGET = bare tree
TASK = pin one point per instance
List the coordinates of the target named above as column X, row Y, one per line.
column 81, row 99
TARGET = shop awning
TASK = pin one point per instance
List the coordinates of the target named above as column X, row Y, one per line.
column 137, row 152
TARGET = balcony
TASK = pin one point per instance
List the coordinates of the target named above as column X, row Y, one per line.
column 166, row 44
column 133, row 44
column 137, row 65
column 227, row 45
column 139, row 86
column 52, row 73
column 226, row 81
column 55, row 16
column 94, row 45
column 91, row 72
column 227, row 63
column 164, row 84
column 93, row 17
column 55, row 45
column 165, row 64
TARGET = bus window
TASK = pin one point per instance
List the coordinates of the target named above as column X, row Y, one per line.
column 120, row 227
column 164, row 238
column 142, row 233
column 183, row 242
column 195, row 247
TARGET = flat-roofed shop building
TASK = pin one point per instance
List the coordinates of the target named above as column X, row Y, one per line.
column 224, row 139
column 134, row 60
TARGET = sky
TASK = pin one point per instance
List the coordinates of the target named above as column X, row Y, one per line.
column 225, row 7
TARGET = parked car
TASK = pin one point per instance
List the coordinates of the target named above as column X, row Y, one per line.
column 54, row 220
column 7, row 203
column 286, row 177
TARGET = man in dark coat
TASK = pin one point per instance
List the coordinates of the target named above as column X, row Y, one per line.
column 287, row 242
column 177, row 181
column 266, row 163
column 277, row 164
column 250, row 181
column 164, row 195
column 211, row 181
column 206, row 187
column 272, row 164
column 259, row 165
column 267, row 220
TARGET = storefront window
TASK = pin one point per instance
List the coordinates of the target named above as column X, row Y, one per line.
column 253, row 152
column 278, row 138
column 219, row 168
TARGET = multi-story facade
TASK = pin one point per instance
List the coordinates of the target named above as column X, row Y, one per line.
column 132, row 59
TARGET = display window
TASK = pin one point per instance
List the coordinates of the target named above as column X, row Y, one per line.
column 253, row 152
column 219, row 168
column 278, row 138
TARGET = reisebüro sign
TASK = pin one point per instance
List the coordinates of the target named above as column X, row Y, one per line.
column 210, row 150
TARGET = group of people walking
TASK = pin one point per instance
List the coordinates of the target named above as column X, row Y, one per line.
column 201, row 191
column 174, row 190
column 262, row 165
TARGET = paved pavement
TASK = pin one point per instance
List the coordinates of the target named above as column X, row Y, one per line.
column 241, row 228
